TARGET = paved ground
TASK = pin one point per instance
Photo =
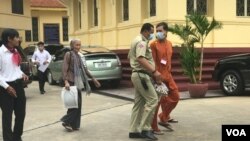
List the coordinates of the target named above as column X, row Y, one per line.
column 107, row 118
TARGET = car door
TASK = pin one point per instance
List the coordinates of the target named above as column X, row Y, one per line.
column 56, row 65
column 246, row 72
column 29, row 51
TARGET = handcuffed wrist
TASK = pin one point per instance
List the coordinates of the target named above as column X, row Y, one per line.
column 153, row 71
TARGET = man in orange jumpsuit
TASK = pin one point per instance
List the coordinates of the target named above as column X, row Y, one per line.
column 162, row 53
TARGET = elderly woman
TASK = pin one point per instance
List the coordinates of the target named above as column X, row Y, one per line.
column 75, row 73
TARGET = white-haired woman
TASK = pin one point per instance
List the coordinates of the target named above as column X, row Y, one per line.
column 75, row 73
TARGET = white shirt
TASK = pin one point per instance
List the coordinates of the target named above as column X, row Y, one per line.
column 8, row 70
column 41, row 57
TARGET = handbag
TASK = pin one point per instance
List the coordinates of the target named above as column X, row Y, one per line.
column 161, row 89
column 70, row 97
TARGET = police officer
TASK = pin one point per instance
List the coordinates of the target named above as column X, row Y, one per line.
column 146, row 99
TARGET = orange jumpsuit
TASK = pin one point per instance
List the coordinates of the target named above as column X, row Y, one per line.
column 162, row 54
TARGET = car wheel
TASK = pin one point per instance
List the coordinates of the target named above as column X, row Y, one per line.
column 51, row 81
column 231, row 83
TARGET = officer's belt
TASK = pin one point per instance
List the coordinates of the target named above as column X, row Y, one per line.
column 142, row 71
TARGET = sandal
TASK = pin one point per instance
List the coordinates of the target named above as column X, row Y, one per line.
column 158, row 132
column 172, row 120
column 166, row 125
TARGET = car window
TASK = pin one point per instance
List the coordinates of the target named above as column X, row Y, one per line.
column 52, row 49
column 29, row 50
column 60, row 54
column 21, row 52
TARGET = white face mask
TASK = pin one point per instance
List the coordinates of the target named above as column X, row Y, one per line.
column 160, row 35
column 151, row 36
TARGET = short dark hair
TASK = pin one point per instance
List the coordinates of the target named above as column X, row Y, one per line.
column 8, row 33
column 146, row 27
column 40, row 43
column 164, row 24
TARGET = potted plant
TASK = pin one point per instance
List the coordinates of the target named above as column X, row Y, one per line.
column 195, row 30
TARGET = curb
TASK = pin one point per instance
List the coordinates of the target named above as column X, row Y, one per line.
column 114, row 96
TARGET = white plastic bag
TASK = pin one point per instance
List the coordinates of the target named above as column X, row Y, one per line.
column 70, row 97
column 161, row 89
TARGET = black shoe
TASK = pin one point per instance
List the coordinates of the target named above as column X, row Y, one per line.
column 135, row 135
column 148, row 134
column 67, row 127
column 76, row 129
column 17, row 139
column 42, row 92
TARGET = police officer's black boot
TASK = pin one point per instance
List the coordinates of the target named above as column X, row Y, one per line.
column 148, row 134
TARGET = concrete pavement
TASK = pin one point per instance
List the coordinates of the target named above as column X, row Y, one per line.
column 107, row 118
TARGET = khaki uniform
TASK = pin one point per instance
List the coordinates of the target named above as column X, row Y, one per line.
column 145, row 101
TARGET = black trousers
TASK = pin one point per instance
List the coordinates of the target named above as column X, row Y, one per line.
column 42, row 76
column 73, row 116
column 9, row 104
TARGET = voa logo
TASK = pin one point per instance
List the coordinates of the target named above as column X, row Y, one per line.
column 236, row 132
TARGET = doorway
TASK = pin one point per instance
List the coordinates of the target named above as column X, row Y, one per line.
column 51, row 34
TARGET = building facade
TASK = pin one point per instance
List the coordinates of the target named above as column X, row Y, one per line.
column 49, row 22
column 114, row 23
column 35, row 20
column 15, row 14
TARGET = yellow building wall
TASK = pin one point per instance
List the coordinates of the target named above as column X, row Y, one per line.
column 114, row 33
column 20, row 22
column 235, row 32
